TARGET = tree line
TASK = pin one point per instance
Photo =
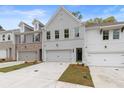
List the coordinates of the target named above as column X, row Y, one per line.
column 110, row 19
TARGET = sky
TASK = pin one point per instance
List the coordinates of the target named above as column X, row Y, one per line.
column 11, row 15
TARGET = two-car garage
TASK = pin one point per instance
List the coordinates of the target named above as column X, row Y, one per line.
column 106, row 59
column 27, row 55
column 58, row 55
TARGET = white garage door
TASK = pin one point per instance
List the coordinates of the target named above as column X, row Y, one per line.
column 3, row 54
column 58, row 55
column 27, row 56
column 106, row 59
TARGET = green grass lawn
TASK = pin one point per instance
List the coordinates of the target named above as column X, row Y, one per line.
column 15, row 67
column 77, row 74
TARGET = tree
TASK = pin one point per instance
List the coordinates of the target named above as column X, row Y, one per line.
column 78, row 15
column 98, row 20
column 110, row 19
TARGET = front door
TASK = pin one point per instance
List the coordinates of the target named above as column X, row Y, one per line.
column 40, row 54
column 78, row 54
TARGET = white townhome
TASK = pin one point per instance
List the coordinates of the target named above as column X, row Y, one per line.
column 63, row 38
column 105, row 44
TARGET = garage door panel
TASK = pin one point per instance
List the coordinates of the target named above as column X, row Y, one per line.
column 106, row 59
column 27, row 56
column 3, row 54
column 58, row 56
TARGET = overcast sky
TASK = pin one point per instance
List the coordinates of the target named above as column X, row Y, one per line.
column 10, row 16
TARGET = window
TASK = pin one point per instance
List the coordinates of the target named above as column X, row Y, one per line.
column 56, row 34
column 36, row 26
column 116, row 34
column 105, row 34
column 3, row 37
column 9, row 37
column 37, row 37
column 48, row 35
column 76, row 31
column 66, row 33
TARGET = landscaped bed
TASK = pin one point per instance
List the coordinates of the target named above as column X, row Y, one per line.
column 77, row 74
column 16, row 67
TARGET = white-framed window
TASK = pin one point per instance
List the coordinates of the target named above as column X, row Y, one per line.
column 56, row 34
column 9, row 37
column 22, row 28
column 48, row 35
column 76, row 30
column 3, row 37
column 66, row 33
column 37, row 37
column 116, row 34
column 36, row 26
column 106, row 35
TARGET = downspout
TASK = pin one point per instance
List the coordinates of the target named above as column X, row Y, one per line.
column 84, row 47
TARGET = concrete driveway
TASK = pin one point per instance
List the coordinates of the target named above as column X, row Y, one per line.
column 108, row 77
column 46, row 75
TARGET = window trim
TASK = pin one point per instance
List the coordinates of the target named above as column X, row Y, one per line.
column 66, row 34
column 3, row 37
column 9, row 37
column 48, row 37
column 37, row 37
column 115, row 31
column 106, row 35
column 77, row 32
column 57, row 34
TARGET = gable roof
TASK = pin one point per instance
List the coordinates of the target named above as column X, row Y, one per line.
column 66, row 11
column 28, row 26
column 35, row 20
column 1, row 28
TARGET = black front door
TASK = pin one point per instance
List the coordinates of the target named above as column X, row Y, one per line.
column 78, row 54
column 40, row 54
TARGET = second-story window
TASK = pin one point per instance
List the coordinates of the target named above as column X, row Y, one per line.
column 37, row 37
column 106, row 35
column 3, row 37
column 9, row 38
column 116, row 34
column 48, row 35
column 56, row 34
column 66, row 33
column 76, row 29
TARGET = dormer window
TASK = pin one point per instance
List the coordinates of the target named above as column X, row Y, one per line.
column 3, row 37
column 36, row 26
column 22, row 28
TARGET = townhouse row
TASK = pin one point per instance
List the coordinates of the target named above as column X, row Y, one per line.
column 65, row 39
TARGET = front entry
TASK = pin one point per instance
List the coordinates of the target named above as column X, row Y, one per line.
column 78, row 54
column 40, row 54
